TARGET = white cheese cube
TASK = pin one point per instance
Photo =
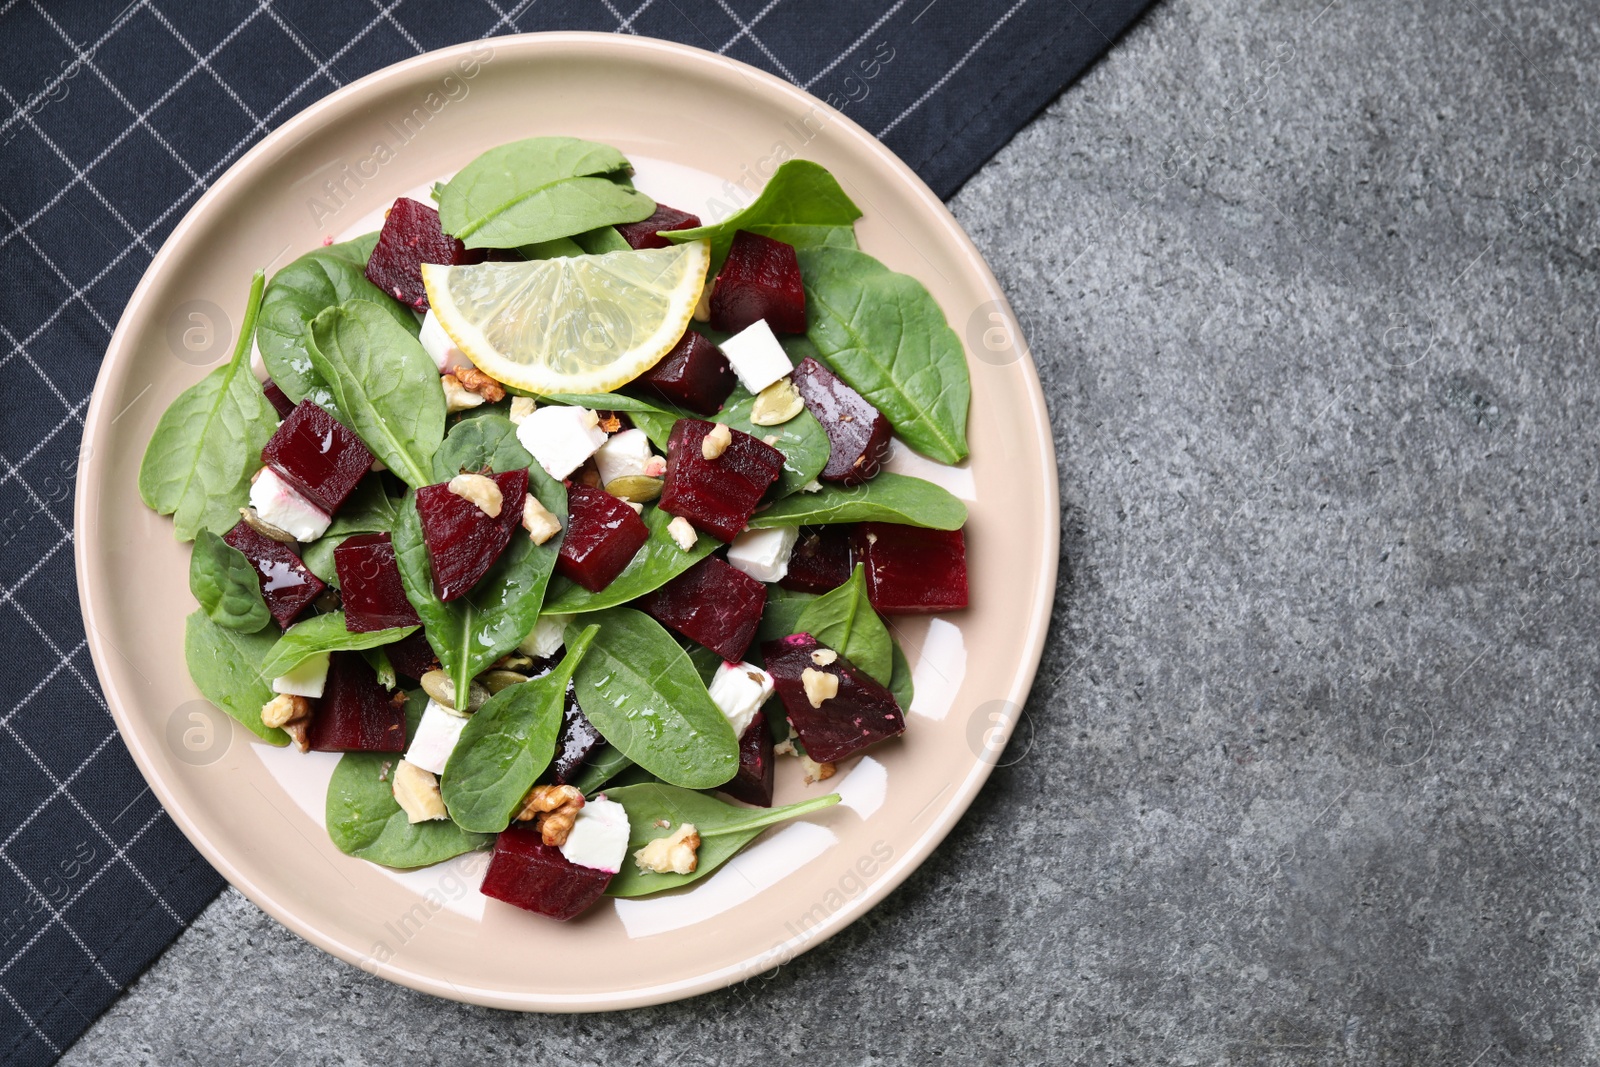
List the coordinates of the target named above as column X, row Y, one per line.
column 446, row 356
column 764, row 554
column 306, row 680
column 757, row 357
column 277, row 501
column 436, row 737
column 739, row 690
column 561, row 438
column 546, row 637
column 599, row 836
column 625, row 454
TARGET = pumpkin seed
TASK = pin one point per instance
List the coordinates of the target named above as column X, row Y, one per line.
column 261, row 526
column 495, row 681
column 438, row 686
column 776, row 404
column 635, row 488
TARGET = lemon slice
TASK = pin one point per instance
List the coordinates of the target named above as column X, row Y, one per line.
column 580, row 324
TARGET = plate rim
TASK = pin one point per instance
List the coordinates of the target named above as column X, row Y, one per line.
column 915, row 854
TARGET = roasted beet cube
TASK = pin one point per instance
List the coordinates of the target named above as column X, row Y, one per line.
column 576, row 742
column 319, row 458
column 695, row 376
column 411, row 236
column 603, row 535
column 356, row 714
column 862, row 713
column 535, row 876
column 912, row 571
column 645, row 234
column 277, row 398
column 286, row 584
column 820, row 560
column 369, row 583
column 713, row 603
column 858, row 434
column 412, row 656
column 717, row 495
column 760, row 279
column 753, row 783
column 463, row 540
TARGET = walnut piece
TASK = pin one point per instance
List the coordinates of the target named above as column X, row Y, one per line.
column 673, row 854
column 815, row 772
column 458, row 397
column 521, row 408
column 291, row 714
column 474, row 380
column 554, row 809
column 417, row 792
column 538, row 521
column 824, row 656
column 715, row 443
column 480, row 490
column 819, row 685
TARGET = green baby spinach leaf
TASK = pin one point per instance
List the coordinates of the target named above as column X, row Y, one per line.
column 724, row 830
column 801, row 205
column 603, row 766
column 658, row 561
column 598, row 242
column 782, row 613
column 224, row 666
column 370, row 509
column 386, row 385
column 802, row 440
column 365, row 820
column 538, row 189
column 887, row 498
column 555, row 248
column 507, row 744
column 208, row 442
column 843, row 619
column 473, row 444
column 378, row 660
column 324, row 633
column 641, row 691
column 884, row 334
column 320, row 279
column 471, row 632
column 226, row 585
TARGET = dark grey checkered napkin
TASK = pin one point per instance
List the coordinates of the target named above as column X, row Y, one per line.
column 112, row 122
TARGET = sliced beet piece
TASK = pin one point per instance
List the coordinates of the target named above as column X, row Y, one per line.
column 861, row 714
column 412, row 236
column 760, row 279
column 463, row 542
column 286, row 584
column 753, row 783
column 717, row 495
column 356, row 714
column 532, row 875
column 412, row 656
column 603, row 535
column 820, row 560
column 369, row 583
column 319, row 458
column 713, row 603
column 858, row 434
column 695, row 375
column 912, row 571
column 277, row 398
column 645, row 234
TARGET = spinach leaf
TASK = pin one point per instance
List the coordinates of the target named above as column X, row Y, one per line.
column 843, row 620
column 887, row 498
column 223, row 664
column 802, row 440
column 555, row 248
column 601, row 768
column 883, row 333
column 318, row 280
column 226, row 585
column 206, row 445
column 507, row 744
column 472, row 632
column 802, row 205
column 473, row 444
column 599, row 241
column 378, row 660
column 643, row 694
column 324, row 633
column 724, row 830
column 538, row 189
column 365, row 820
column 370, row 509
column 386, row 385
column 781, row 614
column 658, row 561
column 899, row 683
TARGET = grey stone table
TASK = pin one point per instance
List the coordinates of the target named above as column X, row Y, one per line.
column 1310, row 773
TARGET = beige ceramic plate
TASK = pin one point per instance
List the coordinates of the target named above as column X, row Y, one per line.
column 255, row 812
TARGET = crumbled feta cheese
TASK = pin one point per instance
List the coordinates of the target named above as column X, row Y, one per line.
column 682, row 531
column 764, row 554
column 436, row 737
column 276, row 501
column 446, row 356
column 739, row 690
column 624, row 454
column 561, row 438
column 599, row 836
column 307, row 679
column 813, row 486
column 757, row 357
column 546, row 637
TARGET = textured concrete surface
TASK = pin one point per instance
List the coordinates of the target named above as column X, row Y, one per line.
column 1310, row 773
